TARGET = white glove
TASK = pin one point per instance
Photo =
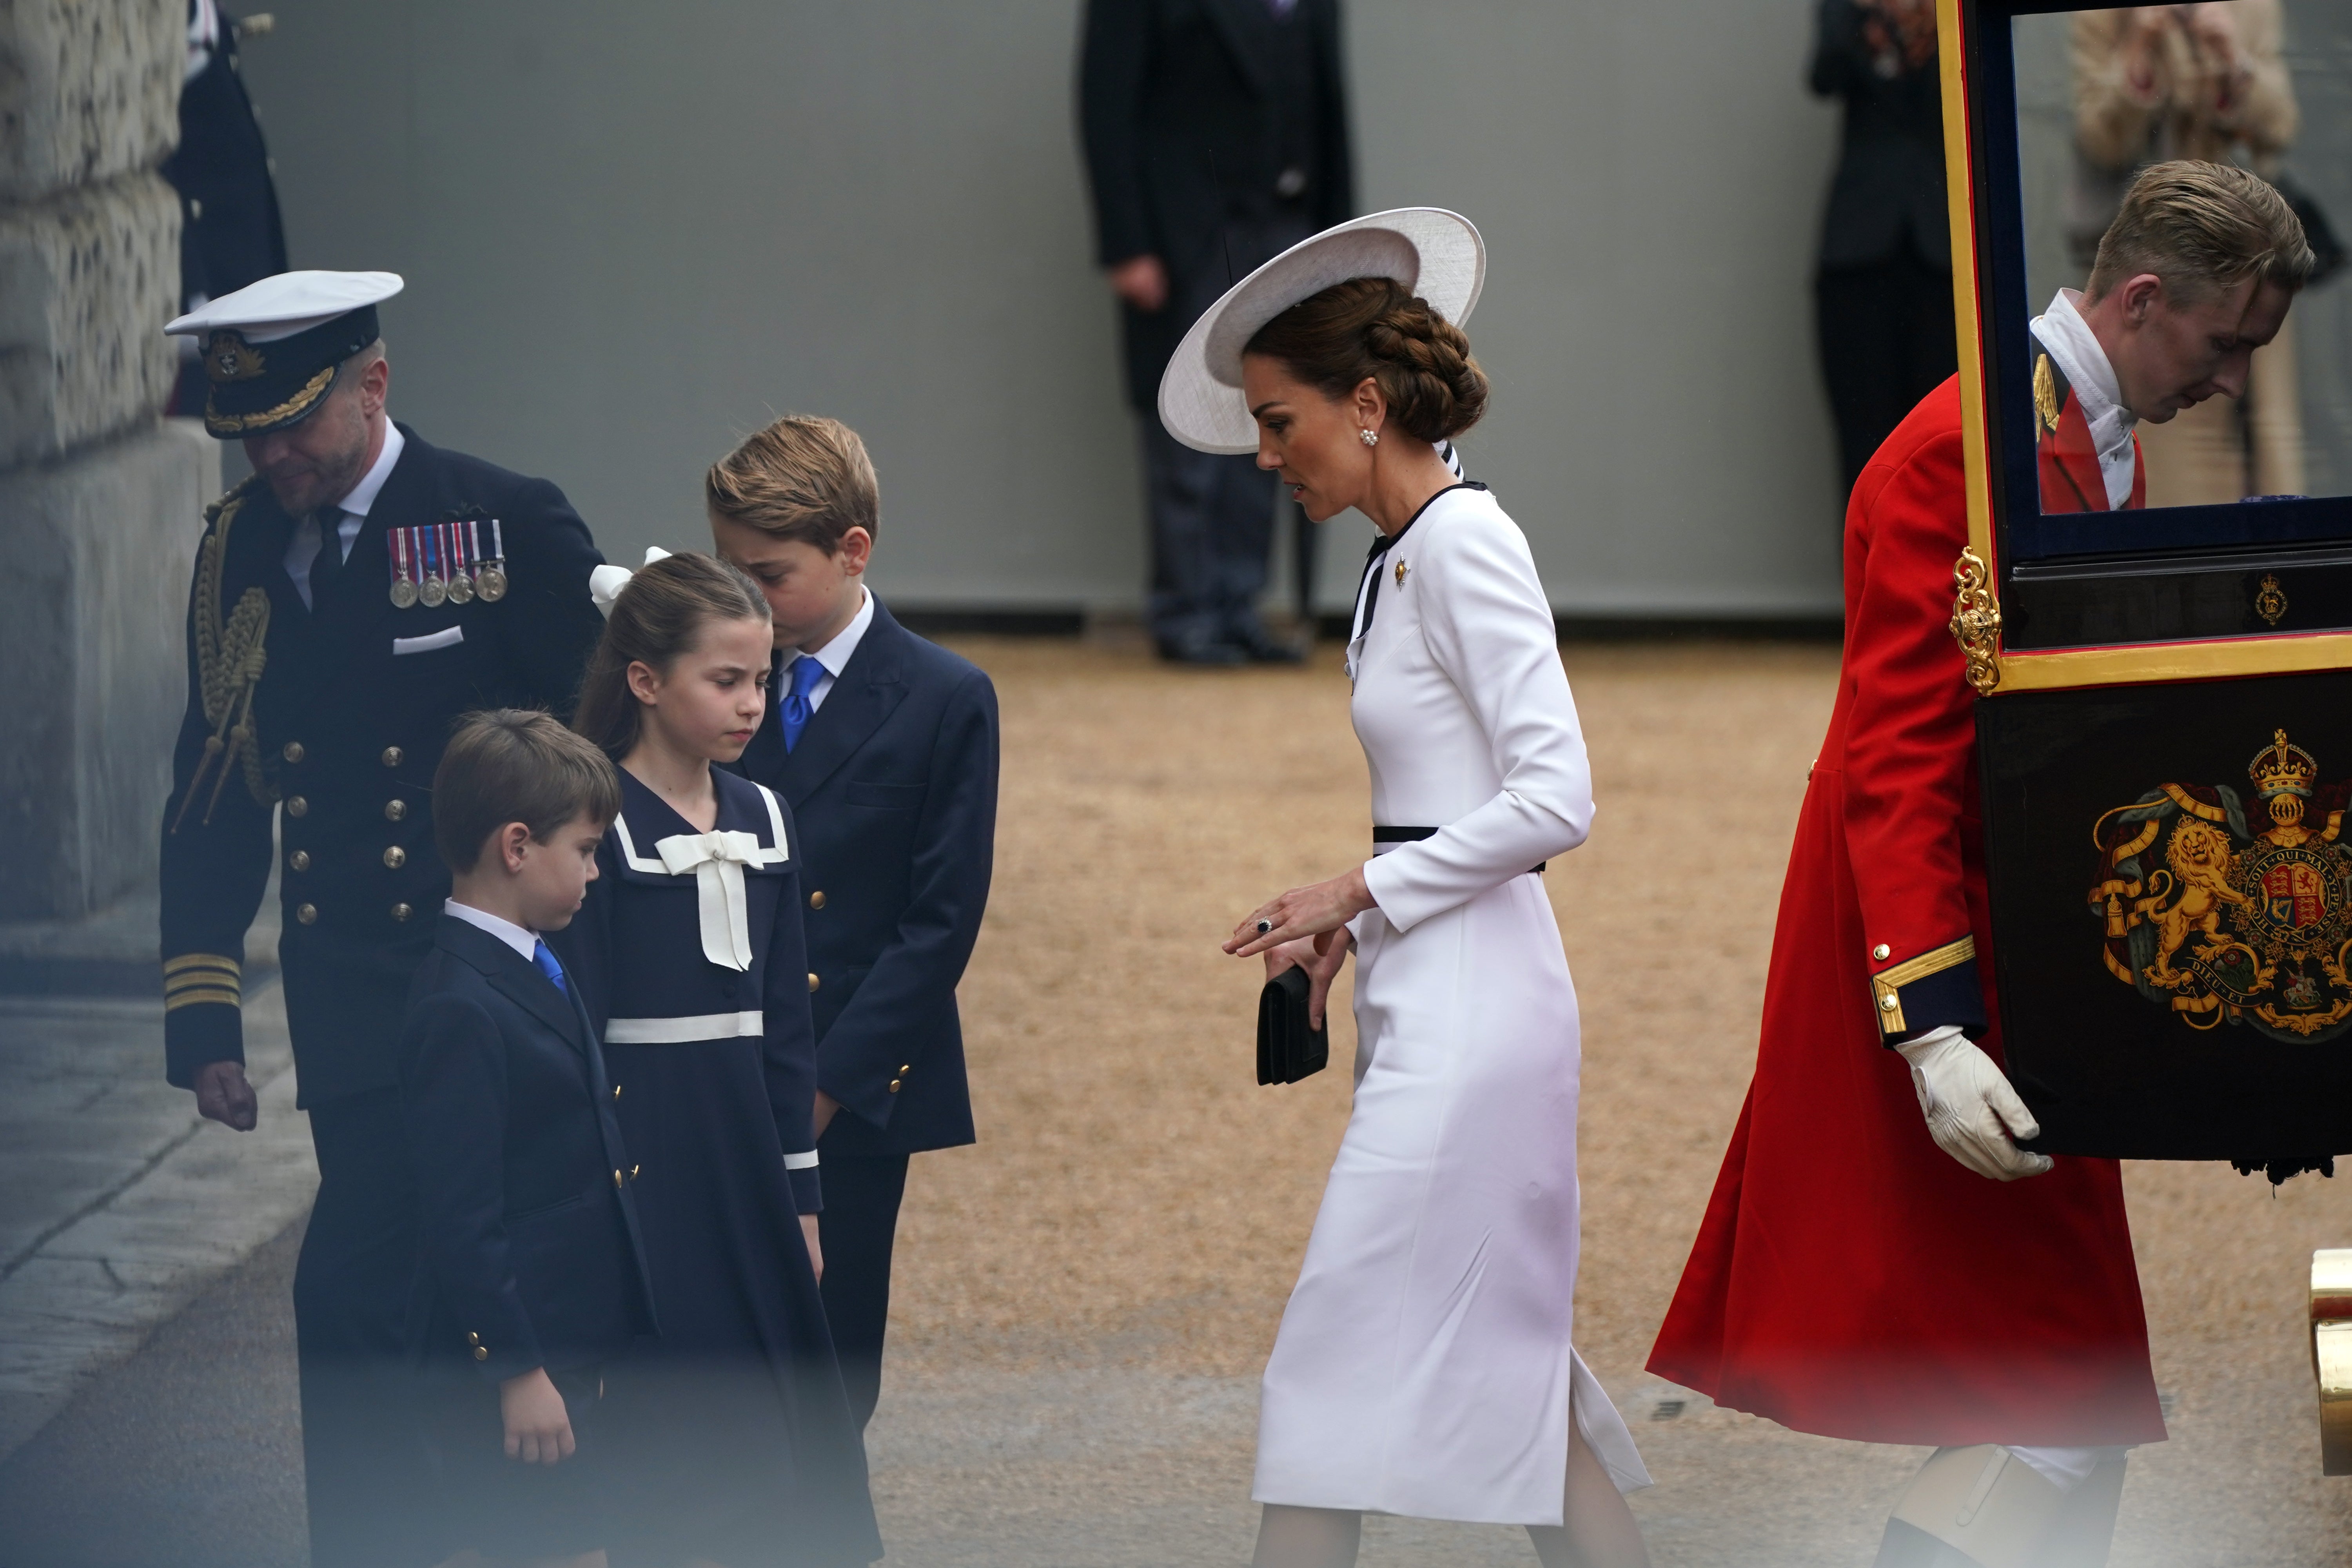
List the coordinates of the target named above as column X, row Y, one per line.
column 1972, row 1112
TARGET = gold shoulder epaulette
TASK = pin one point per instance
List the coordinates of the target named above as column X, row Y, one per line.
column 234, row 496
column 2046, row 394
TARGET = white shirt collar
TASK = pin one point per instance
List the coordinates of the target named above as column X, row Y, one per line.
column 363, row 493
column 523, row 941
column 836, row 654
column 2063, row 330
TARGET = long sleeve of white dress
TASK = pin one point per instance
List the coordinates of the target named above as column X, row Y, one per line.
column 1489, row 629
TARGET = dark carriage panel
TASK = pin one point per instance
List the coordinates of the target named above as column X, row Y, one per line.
column 2171, row 895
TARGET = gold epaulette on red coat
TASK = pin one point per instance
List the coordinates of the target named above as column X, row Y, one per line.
column 195, row 977
column 1886, row 985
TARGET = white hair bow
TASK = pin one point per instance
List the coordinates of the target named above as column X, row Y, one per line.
column 717, row 860
column 605, row 583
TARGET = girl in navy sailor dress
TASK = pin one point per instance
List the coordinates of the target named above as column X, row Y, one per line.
column 733, row 1440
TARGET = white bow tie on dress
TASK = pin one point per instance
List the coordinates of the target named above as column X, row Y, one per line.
column 717, row 860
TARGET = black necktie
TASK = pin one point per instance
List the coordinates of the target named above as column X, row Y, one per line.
column 329, row 559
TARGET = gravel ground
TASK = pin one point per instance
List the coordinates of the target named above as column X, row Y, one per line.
column 1118, row 1247
column 1086, row 1297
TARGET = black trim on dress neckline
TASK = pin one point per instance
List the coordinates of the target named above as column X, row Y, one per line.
column 1380, row 546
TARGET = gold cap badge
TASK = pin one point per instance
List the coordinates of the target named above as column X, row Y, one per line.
column 229, row 357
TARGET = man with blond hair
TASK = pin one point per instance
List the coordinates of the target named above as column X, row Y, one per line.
column 2195, row 273
column 1881, row 1261
column 886, row 745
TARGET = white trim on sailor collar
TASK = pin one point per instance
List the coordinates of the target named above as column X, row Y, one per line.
column 775, row 854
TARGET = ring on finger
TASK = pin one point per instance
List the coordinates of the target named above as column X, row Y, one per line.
column 1264, row 927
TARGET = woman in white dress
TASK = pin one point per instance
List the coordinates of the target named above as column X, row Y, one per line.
column 1424, row 1363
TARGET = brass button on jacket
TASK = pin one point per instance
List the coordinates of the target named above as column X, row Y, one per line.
column 481, row 1352
column 393, row 810
column 894, row 1086
column 473, row 1339
column 393, row 756
column 401, row 912
column 813, row 980
column 616, row 1178
column 1882, row 952
column 298, row 861
column 308, row 914
column 296, row 805
column 816, row 899
column 293, row 751
column 396, row 856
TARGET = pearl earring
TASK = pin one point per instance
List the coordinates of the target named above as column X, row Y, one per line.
column 1369, row 437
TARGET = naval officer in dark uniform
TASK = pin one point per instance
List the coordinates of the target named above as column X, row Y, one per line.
column 352, row 599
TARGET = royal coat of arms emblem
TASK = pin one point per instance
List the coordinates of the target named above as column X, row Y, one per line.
column 2225, row 921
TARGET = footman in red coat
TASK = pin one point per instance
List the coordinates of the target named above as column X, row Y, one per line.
column 1880, row 1260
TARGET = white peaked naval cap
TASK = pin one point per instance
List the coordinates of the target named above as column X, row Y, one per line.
column 286, row 304
column 1436, row 254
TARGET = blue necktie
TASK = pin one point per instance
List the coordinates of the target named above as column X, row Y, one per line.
column 796, row 709
column 544, row 956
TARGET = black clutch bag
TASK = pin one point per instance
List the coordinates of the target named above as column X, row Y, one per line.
column 1287, row 1050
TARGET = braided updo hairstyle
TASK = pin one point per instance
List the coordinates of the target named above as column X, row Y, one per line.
column 1375, row 328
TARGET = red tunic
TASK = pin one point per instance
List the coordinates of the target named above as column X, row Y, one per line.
column 2064, row 458
column 1851, row 1279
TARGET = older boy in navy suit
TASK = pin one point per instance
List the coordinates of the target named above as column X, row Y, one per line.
column 532, row 1272
column 885, row 744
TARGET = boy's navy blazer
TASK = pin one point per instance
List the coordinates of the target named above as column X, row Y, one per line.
column 531, row 1255
column 893, row 789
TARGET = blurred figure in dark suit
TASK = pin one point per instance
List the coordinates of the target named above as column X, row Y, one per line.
column 1884, row 293
column 1216, row 137
column 230, row 235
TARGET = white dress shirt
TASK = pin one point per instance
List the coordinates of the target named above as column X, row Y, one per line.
column 523, row 941
column 2071, row 343
column 834, row 656
column 303, row 548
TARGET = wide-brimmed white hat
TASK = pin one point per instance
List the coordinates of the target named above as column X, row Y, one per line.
column 1436, row 254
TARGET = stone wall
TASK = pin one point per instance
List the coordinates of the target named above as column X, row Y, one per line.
column 100, row 500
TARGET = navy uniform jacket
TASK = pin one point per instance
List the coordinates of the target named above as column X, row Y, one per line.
column 531, row 1255
column 346, row 721
column 893, row 787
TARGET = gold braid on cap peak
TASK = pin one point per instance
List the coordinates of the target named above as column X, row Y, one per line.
column 309, row 393
column 230, row 657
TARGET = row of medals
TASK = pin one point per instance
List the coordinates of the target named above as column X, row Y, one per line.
column 452, row 579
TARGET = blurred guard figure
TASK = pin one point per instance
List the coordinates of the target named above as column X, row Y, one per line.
column 230, row 235
column 352, row 599
column 1884, row 294
column 884, row 747
column 1216, row 137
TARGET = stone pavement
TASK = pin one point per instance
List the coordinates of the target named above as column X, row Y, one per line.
column 118, row 1202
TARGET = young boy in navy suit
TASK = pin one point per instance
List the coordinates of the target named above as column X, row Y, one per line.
column 885, row 745
column 532, row 1272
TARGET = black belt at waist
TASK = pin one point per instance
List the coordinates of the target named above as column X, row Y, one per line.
column 1415, row 835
